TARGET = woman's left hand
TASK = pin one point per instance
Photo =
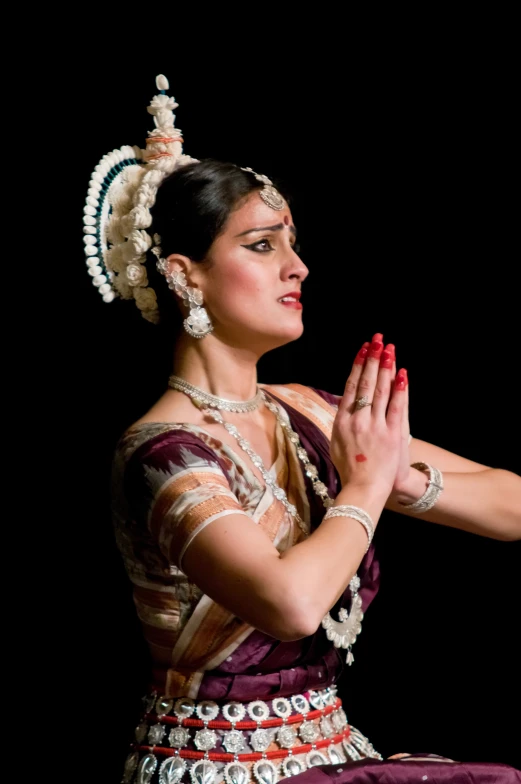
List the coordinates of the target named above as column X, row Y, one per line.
column 410, row 483
column 404, row 470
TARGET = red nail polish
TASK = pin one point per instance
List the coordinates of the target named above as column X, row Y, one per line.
column 376, row 349
column 392, row 348
column 401, row 379
column 378, row 336
column 360, row 357
column 386, row 360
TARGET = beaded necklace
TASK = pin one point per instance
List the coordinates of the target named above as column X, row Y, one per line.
column 343, row 632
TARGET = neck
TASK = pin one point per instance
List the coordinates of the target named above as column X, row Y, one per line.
column 217, row 368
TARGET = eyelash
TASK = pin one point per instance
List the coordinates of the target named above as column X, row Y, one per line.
column 255, row 249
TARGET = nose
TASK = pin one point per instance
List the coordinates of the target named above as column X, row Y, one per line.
column 295, row 269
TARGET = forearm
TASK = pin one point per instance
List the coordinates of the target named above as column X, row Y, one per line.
column 320, row 568
column 485, row 502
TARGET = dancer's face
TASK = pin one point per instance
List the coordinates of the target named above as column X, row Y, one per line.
column 250, row 267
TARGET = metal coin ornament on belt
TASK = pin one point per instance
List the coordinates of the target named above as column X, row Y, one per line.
column 258, row 711
column 236, row 773
column 184, row 708
column 203, row 772
column 292, row 767
column 233, row 741
column 179, row 737
column 287, row 737
column 265, row 772
column 172, row 770
column 164, row 706
column 205, row 740
column 260, row 740
column 156, row 733
column 131, row 764
column 146, row 769
column 309, row 732
column 234, row 711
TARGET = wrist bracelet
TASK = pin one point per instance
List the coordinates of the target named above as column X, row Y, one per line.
column 355, row 513
column 433, row 491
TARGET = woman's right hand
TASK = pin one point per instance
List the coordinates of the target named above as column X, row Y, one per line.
column 366, row 442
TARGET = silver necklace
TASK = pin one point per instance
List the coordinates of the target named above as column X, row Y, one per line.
column 201, row 398
column 343, row 632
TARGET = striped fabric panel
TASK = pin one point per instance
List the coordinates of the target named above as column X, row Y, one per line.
column 307, row 402
column 210, row 634
column 185, row 504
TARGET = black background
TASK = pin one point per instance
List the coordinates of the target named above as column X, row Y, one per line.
column 401, row 167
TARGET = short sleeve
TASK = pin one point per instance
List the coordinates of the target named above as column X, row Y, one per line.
column 184, row 488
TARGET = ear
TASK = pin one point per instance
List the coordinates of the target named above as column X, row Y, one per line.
column 192, row 270
column 179, row 263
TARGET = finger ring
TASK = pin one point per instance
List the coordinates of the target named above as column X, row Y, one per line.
column 361, row 402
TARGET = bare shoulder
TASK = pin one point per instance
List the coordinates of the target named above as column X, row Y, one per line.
column 172, row 407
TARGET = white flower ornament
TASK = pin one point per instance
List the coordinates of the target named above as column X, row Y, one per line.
column 198, row 319
column 116, row 215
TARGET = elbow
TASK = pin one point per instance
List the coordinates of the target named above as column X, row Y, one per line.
column 296, row 617
column 296, row 629
column 511, row 534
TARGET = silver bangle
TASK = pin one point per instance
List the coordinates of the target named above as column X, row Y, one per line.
column 355, row 513
column 433, row 491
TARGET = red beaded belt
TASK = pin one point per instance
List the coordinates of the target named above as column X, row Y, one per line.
column 305, row 731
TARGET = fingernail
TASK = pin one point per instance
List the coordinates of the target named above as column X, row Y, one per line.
column 376, row 349
column 401, row 379
column 378, row 336
column 360, row 357
column 392, row 348
column 386, row 360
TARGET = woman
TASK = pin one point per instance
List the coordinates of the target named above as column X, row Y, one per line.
column 245, row 512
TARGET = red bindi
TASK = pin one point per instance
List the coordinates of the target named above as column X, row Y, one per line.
column 286, row 220
column 360, row 458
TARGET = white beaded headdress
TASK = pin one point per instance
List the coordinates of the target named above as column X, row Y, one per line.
column 122, row 189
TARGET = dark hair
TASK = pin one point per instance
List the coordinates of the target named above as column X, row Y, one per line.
column 192, row 207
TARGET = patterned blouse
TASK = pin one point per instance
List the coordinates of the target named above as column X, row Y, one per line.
column 170, row 482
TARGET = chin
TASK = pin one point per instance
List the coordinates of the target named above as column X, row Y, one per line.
column 288, row 335
column 261, row 337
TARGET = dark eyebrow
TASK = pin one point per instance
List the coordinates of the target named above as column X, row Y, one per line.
column 278, row 227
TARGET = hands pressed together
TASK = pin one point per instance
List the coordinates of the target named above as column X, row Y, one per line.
column 370, row 439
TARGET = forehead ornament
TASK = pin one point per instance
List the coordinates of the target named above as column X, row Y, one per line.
column 269, row 194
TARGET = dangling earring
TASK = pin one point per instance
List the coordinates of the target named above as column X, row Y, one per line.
column 197, row 323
